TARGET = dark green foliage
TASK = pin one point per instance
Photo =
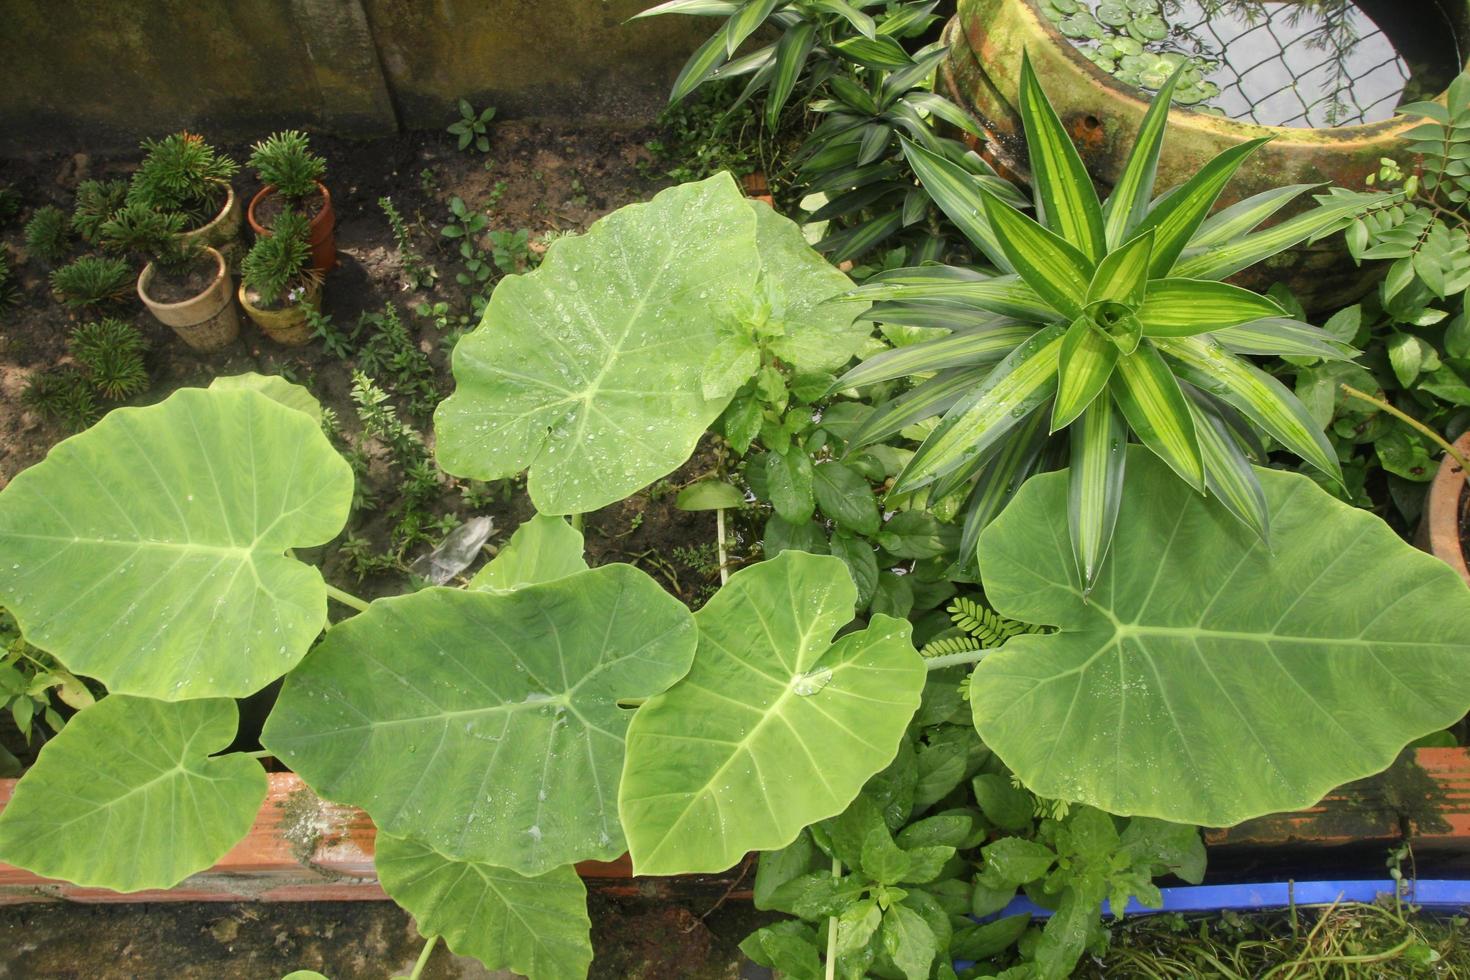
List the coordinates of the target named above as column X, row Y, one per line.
column 278, row 263
column 470, row 127
column 110, row 351
column 182, row 173
column 63, row 395
column 976, row 627
column 417, row 273
column 93, row 281
column 9, row 289
column 97, row 200
column 9, row 204
column 139, row 230
column 48, row 234
column 284, row 160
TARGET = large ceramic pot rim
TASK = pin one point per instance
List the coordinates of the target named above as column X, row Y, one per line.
column 1053, row 51
column 147, row 277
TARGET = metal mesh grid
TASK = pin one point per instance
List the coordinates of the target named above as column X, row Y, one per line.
column 1279, row 65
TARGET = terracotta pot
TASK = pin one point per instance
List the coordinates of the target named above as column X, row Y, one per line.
column 986, row 39
column 206, row 322
column 223, row 231
column 1439, row 529
column 286, row 326
column 322, row 233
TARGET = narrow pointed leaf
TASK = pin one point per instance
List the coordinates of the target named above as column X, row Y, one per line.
column 882, row 52
column 1128, row 204
column 1239, row 218
column 1219, row 261
column 940, row 107
column 1178, row 217
column 149, row 552
column 974, row 347
column 699, row 8
column 744, row 22
column 854, row 242
column 957, row 193
column 426, row 709
column 1229, row 476
column 1122, row 276
column 1257, row 395
column 1099, row 453
column 772, row 710
column 1027, row 377
column 1012, row 464
column 860, row 21
column 1083, row 368
column 1157, row 412
column 791, row 54
column 705, row 59
column 915, row 78
column 1203, row 660
column 537, row 927
column 925, row 401
column 1055, row 269
column 1185, row 307
column 1278, row 336
column 1066, row 201
column 942, row 314
column 128, row 795
column 1004, row 295
column 542, row 549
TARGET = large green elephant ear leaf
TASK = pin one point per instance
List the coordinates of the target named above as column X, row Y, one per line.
column 542, row 549
column 588, row 370
column 486, row 725
column 128, row 797
column 776, row 726
column 274, row 387
column 817, row 333
column 149, row 551
column 1208, row 679
column 537, row 927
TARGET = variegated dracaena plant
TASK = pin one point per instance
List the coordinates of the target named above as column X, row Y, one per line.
column 1104, row 318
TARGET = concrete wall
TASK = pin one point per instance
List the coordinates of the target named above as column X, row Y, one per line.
column 96, row 72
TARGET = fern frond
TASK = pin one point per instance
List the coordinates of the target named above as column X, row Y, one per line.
column 948, row 642
column 987, row 626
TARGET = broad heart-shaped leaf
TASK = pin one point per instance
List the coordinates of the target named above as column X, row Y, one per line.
column 1204, row 681
column 274, row 387
column 486, row 725
column 542, row 549
column 776, row 727
column 148, row 552
column 128, row 797
column 537, row 927
column 587, row 371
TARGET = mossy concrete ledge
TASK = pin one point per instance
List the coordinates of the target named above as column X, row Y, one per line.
column 97, row 72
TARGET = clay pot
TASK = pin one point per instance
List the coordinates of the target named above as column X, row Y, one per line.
column 986, row 39
column 223, row 231
column 286, row 326
column 206, row 322
column 1439, row 529
column 321, row 234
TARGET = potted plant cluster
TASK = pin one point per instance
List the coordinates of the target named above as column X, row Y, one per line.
column 292, row 177
column 277, row 282
column 182, row 174
column 185, row 283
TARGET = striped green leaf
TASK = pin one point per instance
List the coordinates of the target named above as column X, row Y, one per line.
column 931, row 313
column 1158, row 413
column 709, row 56
column 1128, row 204
column 760, row 80
column 1066, row 201
column 1016, row 386
column 699, row 8
column 957, row 193
column 984, row 346
column 860, row 21
column 1228, row 474
column 1228, row 223
column 791, row 54
column 1279, row 336
column 1015, row 459
column 857, row 98
column 1219, row 261
column 850, row 177
column 1185, row 307
column 917, row 74
column 881, row 52
column 1122, row 275
column 1257, row 395
column 925, row 401
column 851, row 202
column 853, row 242
column 1048, row 264
column 1095, row 489
column 941, row 108
column 1083, row 368
column 1177, row 217
column 763, row 57
column 744, row 22
column 874, row 140
column 1005, row 295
